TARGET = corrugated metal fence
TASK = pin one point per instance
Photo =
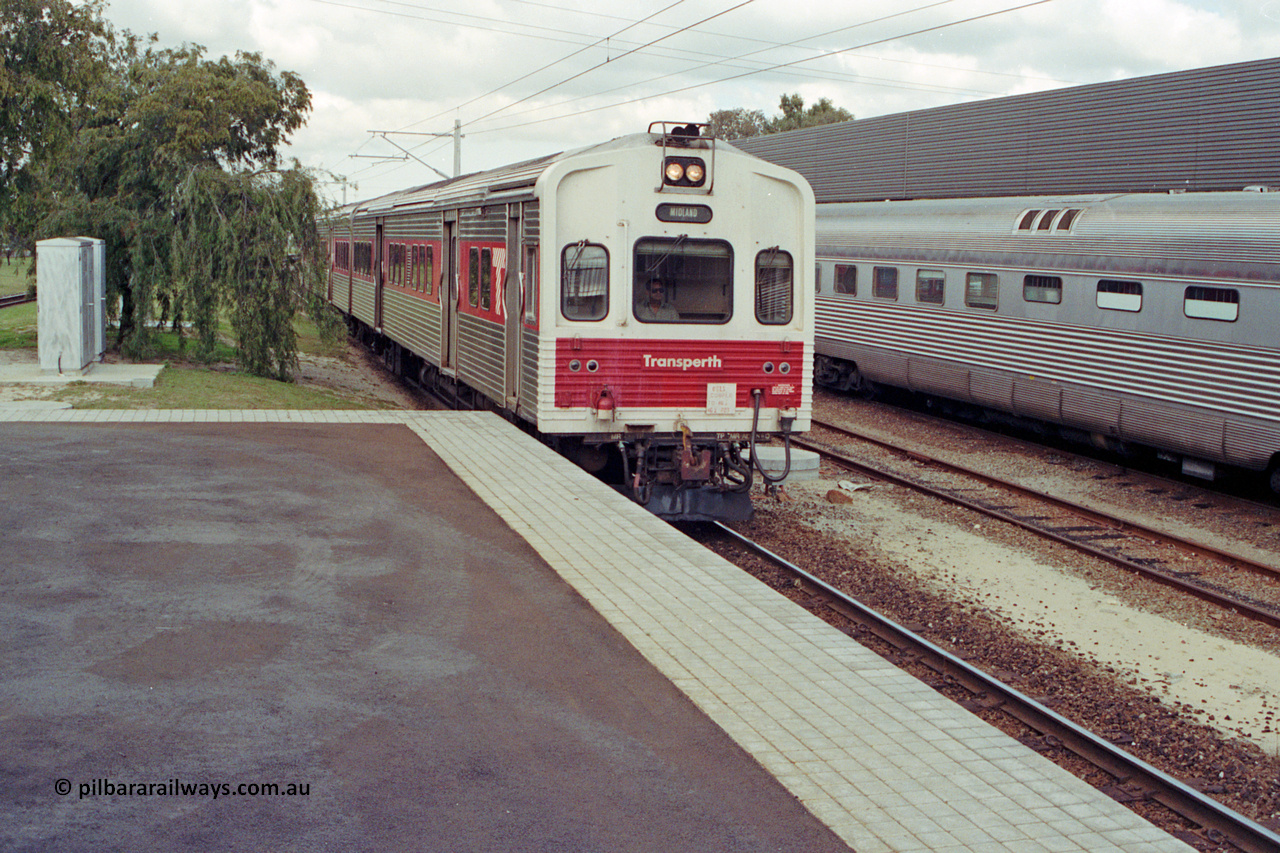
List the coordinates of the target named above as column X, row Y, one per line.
column 1207, row 129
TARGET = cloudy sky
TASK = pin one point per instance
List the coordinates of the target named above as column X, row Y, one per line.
column 533, row 77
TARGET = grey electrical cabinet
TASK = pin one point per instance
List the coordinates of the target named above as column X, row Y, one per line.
column 71, row 306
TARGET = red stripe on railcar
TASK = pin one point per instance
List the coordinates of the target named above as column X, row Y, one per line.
column 676, row 373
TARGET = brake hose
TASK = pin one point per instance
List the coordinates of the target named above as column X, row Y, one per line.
column 757, row 396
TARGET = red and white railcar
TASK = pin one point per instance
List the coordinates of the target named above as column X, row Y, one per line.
column 645, row 304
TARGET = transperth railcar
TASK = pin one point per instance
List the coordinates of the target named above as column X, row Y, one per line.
column 1134, row 321
column 644, row 304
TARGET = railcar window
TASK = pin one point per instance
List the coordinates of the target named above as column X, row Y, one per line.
column 473, row 278
column 342, row 256
column 1212, row 303
column 884, row 283
column 817, row 278
column 363, row 258
column 847, row 279
column 486, row 279
column 695, row 276
column 530, row 284
column 1119, row 295
column 1028, row 219
column 584, row 281
column 1068, row 219
column 1042, row 288
column 395, row 264
column 774, row 287
column 930, row 286
column 982, row 290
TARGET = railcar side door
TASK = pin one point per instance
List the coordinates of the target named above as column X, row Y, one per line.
column 511, row 307
column 379, row 274
column 449, row 295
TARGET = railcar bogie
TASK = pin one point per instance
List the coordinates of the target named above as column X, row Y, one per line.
column 638, row 303
column 1144, row 320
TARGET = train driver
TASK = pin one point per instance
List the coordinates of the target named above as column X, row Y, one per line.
column 655, row 307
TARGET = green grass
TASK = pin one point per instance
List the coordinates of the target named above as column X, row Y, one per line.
column 13, row 276
column 185, row 384
column 18, row 326
column 189, row 387
column 310, row 342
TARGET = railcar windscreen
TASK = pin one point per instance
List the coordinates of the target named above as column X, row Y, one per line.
column 584, row 281
column 678, row 280
column 774, row 287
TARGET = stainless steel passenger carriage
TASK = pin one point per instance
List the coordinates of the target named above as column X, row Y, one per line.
column 645, row 304
column 1148, row 319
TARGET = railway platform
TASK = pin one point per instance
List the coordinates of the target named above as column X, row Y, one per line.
column 455, row 640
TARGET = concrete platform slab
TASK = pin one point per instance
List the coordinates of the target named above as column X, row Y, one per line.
column 131, row 375
column 887, row 763
column 305, row 637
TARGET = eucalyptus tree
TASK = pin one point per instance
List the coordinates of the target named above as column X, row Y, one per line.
column 741, row 123
column 164, row 143
column 51, row 52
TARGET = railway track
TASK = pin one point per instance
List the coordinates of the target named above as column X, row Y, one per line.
column 16, row 299
column 1131, row 778
column 1142, row 549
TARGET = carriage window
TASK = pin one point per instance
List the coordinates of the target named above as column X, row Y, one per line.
column 774, row 287
column 930, row 285
column 1046, row 223
column 1212, row 303
column 1028, row 219
column 530, row 273
column 584, row 281
column 473, row 279
column 1120, row 295
column 884, row 283
column 396, row 262
column 847, row 279
column 428, row 269
column 486, row 279
column 982, row 290
column 683, row 281
column 817, row 278
column 1068, row 219
column 363, row 258
column 1042, row 288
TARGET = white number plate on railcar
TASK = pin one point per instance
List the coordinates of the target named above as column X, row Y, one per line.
column 722, row 398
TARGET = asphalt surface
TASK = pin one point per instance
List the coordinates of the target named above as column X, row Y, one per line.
column 192, row 612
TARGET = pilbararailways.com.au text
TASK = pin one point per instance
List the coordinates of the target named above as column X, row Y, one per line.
column 179, row 788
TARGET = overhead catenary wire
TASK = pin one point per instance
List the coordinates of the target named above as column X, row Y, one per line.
column 743, row 74
column 775, row 67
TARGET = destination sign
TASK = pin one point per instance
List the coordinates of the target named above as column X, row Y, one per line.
column 699, row 213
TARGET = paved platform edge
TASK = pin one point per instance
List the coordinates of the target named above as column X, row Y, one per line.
column 882, row 759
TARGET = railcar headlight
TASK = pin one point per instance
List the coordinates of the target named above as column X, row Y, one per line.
column 684, row 172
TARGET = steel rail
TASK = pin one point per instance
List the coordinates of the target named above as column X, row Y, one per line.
column 1228, row 557
column 1128, row 770
column 1226, row 602
column 16, row 299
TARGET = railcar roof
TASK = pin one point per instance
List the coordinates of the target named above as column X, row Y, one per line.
column 1205, row 234
column 478, row 185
